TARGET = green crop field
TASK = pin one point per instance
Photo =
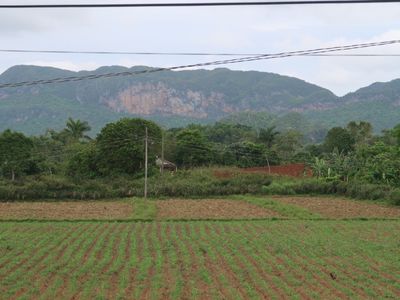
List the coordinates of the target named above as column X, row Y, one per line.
column 264, row 259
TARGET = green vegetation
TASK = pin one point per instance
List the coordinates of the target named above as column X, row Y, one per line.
column 262, row 100
column 143, row 209
column 285, row 210
column 185, row 183
column 66, row 164
column 246, row 259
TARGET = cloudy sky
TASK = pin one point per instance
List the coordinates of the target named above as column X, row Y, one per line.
column 213, row 29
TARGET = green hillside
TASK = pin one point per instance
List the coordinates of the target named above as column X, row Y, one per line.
column 196, row 96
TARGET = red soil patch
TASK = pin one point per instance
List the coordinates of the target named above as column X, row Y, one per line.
column 341, row 208
column 65, row 210
column 294, row 170
column 210, row 209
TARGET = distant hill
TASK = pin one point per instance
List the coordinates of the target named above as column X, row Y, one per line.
column 378, row 103
column 181, row 97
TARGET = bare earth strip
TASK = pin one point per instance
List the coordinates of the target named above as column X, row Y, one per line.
column 341, row 208
column 65, row 210
column 210, row 209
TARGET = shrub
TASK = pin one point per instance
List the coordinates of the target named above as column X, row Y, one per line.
column 198, row 183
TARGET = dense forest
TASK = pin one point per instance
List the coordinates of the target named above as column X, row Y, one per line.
column 70, row 164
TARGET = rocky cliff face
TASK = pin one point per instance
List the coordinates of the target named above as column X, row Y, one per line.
column 150, row 99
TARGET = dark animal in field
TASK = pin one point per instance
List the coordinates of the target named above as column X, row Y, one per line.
column 333, row 275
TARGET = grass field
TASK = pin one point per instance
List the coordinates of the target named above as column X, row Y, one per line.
column 298, row 255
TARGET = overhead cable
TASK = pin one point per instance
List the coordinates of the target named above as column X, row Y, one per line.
column 213, row 63
column 193, row 4
column 178, row 53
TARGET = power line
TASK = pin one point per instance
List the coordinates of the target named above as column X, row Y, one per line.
column 213, row 63
column 177, row 53
column 195, row 4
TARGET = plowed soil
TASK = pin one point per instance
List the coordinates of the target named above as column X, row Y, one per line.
column 65, row 210
column 264, row 259
column 341, row 208
column 210, row 209
column 293, row 170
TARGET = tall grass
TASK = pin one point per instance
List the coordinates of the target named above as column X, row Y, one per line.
column 185, row 183
column 314, row 186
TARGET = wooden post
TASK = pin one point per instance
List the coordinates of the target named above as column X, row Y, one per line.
column 162, row 152
column 145, row 164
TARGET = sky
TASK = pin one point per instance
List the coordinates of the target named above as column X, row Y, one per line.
column 261, row 29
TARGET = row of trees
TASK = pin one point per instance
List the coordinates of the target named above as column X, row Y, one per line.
column 346, row 153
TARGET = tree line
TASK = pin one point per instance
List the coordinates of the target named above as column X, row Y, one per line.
column 350, row 152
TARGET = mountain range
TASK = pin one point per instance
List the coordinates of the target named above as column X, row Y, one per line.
column 176, row 98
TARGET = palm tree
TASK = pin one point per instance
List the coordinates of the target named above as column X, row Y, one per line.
column 267, row 136
column 76, row 129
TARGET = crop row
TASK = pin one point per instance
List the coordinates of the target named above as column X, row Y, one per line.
column 200, row 260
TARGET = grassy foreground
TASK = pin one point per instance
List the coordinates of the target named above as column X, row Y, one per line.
column 203, row 259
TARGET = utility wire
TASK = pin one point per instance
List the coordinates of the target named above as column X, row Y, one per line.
column 194, row 4
column 213, row 63
column 174, row 53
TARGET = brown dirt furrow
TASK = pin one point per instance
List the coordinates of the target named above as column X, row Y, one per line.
column 228, row 272
column 114, row 280
column 350, row 277
column 200, row 285
column 168, row 279
column 48, row 282
column 211, row 209
column 263, row 294
column 65, row 210
column 61, row 293
column 297, row 274
column 374, row 265
column 24, row 263
column 213, row 268
column 99, row 258
column 376, row 279
column 114, row 255
column 341, row 208
column 305, row 262
column 37, row 275
column 115, row 247
column 333, row 293
column 133, row 270
column 347, row 271
column 324, row 270
column 20, row 253
column 266, row 277
column 146, row 293
column 182, row 268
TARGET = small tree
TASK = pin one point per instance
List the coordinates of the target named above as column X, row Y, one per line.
column 192, row 148
column 15, row 153
column 340, row 139
column 120, row 145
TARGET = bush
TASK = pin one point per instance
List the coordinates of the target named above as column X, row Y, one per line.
column 186, row 183
column 357, row 190
column 395, row 196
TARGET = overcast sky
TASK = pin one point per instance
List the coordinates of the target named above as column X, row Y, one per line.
column 214, row 29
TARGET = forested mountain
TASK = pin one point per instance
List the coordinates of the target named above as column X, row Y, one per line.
column 175, row 98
